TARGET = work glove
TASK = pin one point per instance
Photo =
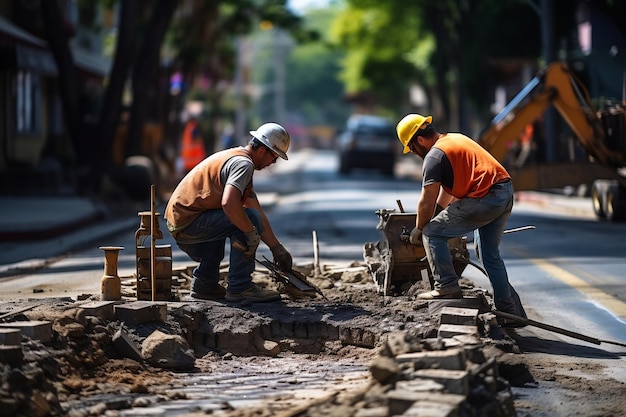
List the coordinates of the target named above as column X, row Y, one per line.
column 415, row 237
column 252, row 242
column 282, row 258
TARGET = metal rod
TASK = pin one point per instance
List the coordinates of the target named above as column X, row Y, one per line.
column 553, row 328
column 518, row 229
column 153, row 241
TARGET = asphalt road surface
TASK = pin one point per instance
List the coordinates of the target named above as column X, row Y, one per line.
column 568, row 270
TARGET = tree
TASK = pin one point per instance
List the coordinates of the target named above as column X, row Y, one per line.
column 141, row 32
column 443, row 46
column 93, row 144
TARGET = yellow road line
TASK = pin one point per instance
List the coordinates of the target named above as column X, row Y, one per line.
column 612, row 304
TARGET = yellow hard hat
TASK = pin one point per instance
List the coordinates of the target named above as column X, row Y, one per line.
column 407, row 127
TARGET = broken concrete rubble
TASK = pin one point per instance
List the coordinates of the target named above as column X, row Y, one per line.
column 398, row 337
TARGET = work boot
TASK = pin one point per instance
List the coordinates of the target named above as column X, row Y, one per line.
column 214, row 292
column 254, row 294
column 443, row 293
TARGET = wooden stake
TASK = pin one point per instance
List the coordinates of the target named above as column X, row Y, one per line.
column 153, row 240
column 316, row 255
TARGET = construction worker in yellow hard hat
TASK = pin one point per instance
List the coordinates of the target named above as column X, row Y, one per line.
column 464, row 189
column 216, row 201
column 407, row 127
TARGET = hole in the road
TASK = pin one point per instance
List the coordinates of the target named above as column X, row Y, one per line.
column 291, row 336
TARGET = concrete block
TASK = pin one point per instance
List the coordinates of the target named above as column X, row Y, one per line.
column 400, row 401
column 479, row 302
column 451, row 330
column 431, row 409
column 420, row 385
column 139, row 312
column 373, row 412
column 441, row 359
column 455, row 382
column 457, row 315
column 11, row 355
column 10, row 337
column 102, row 309
column 34, row 329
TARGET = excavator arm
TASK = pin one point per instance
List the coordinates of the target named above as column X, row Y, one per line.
column 601, row 135
column 557, row 86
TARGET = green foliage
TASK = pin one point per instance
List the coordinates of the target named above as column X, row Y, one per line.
column 393, row 43
column 386, row 48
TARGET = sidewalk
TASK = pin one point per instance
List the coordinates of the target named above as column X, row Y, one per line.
column 37, row 218
column 45, row 227
column 37, row 228
column 553, row 201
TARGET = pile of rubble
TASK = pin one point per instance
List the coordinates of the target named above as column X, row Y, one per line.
column 439, row 358
column 454, row 374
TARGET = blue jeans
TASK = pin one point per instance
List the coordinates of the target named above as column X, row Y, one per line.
column 204, row 241
column 487, row 217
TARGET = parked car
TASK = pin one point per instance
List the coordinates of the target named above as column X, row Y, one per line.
column 368, row 142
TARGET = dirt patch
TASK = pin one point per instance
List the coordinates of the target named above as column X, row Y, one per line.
column 333, row 341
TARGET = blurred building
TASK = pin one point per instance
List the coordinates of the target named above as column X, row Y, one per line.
column 34, row 149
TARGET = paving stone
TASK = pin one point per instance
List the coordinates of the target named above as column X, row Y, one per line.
column 373, row 412
column 34, row 329
column 102, row 309
column 451, row 330
column 478, row 302
column 420, row 385
column 441, row 359
column 11, row 355
column 11, row 337
column 431, row 409
column 400, row 401
column 139, row 312
column 456, row 382
column 456, row 315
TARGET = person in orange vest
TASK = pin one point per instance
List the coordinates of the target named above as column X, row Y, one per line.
column 216, row 201
column 192, row 150
column 464, row 189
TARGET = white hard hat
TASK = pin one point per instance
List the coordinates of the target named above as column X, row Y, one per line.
column 275, row 137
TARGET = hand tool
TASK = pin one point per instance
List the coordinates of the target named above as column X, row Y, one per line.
column 554, row 329
column 292, row 279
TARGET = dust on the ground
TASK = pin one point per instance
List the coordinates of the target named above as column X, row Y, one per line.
column 81, row 363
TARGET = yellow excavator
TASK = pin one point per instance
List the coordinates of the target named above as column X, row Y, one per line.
column 601, row 134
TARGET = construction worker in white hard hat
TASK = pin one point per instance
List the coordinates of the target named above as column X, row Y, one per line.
column 464, row 189
column 215, row 201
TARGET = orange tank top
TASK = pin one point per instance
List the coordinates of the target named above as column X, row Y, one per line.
column 475, row 170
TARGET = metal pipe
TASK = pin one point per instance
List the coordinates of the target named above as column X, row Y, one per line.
column 554, row 329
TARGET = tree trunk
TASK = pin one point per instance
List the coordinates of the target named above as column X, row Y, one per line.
column 112, row 103
column 68, row 87
column 146, row 66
